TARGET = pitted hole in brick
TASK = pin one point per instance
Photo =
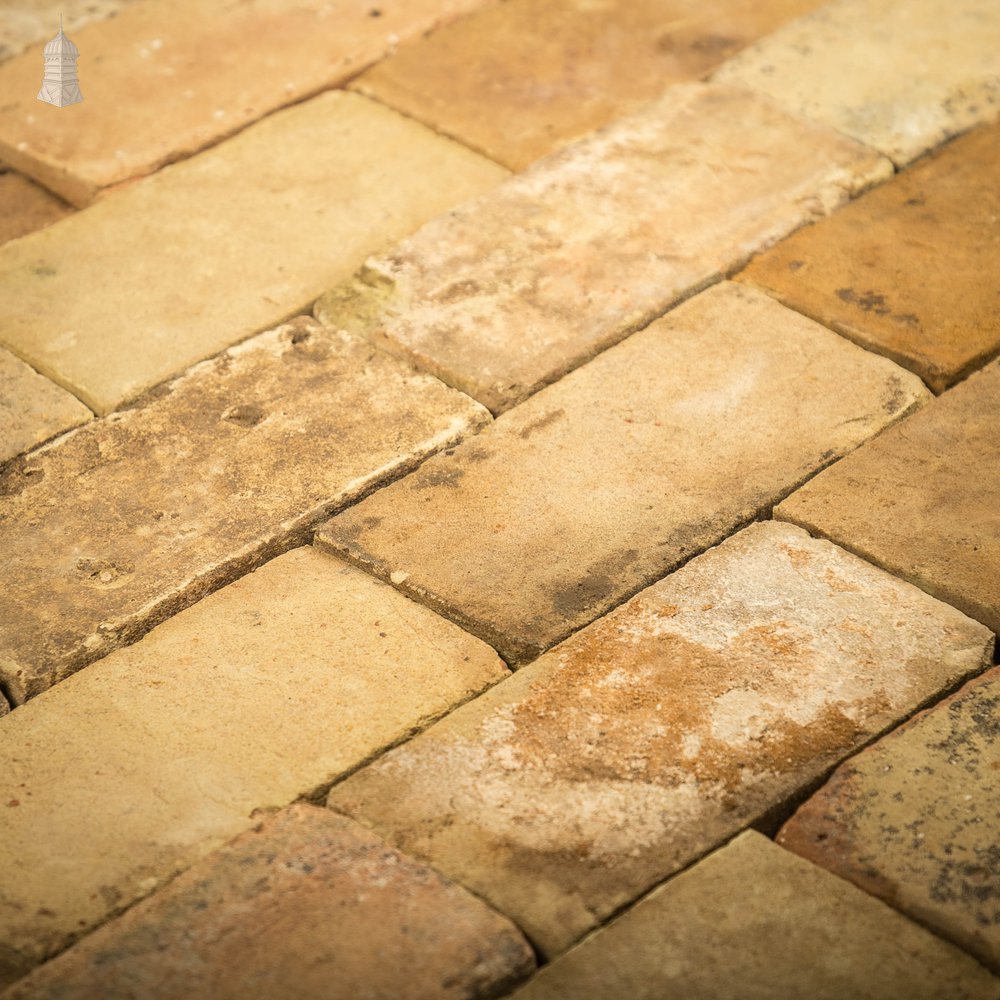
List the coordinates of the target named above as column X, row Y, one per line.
column 244, row 415
column 17, row 475
column 300, row 336
column 103, row 574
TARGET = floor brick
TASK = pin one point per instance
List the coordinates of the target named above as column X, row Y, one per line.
column 915, row 819
column 139, row 765
column 307, row 905
column 900, row 271
column 600, row 484
column 510, row 291
column 483, row 82
column 167, row 78
column 25, row 207
column 654, row 734
column 271, row 218
column 753, row 922
column 26, row 22
column 899, row 77
column 32, row 409
column 109, row 530
column 922, row 500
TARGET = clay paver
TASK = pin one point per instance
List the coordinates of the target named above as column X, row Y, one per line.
column 662, row 729
column 604, row 482
column 307, row 905
column 107, row 531
column 923, row 500
column 32, row 409
column 224, row 245
column 481, row 81
column 167, row 78
column 753, row 922
column 29, row 21
column 25, row 207
column 900, row 77
column 915, row 819
column 139, row 765
column 513, row 289
column 872, row 271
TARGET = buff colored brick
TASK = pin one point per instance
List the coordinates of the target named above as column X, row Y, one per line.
column 510, row 291
column 900, row 271
column 25, row 207
column 654, row 734
column 32, row 409
column 224, row 245
column 107, row 531
column 753, row 922
column 901, row 77
column 167, row 78
column 26, row 22
column 477, row 81
column 307, row 905
column 604, row 482
column 923, row 499
column 143, row 763
column 915, row 819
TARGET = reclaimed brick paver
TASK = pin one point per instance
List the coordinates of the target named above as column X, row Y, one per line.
column 32, row 409
column 873, row 270
column 510, row 291
column 915, row 819
column 107, row 531
column 753, row 922
column 25, row 207
column 609, row 479
column 167, row 78
column 519, row 79
column 136, row 767
column 900, row 77
column 923, row 500
column 308, row 905
column 26, row 22
column 222, row 246
column 654, row 734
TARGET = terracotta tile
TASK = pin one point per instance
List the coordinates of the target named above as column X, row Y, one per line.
column 753, row 921
column 510, row 291
column 143, row 763
column 25, row 207
column 661, row 730
column 610, row 478
column 519, row 79
column 900, row 77
column 167, row 78
column 32, row 409
column 922, row 499
column 109, row 530
column 224, row 245
column 900, row 270
column 915, row 819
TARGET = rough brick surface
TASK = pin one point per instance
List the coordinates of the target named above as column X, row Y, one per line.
column 32, row 409
column 753, row 922
column 510, row 291
column 25, row 207
column 518, row 79
column 662, row 729
column 900, row 77
column 923, row 499
column 308, row 905
column 168, row 77
column 224, row 245
column 605, row 481
column 29, row 21
column 142, row 763
column 873, row 270
column 915, row 819
column 107, row 531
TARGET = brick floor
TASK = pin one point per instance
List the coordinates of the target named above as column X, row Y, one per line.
column 727, row 535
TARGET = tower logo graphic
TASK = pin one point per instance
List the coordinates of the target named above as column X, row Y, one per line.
column 60, row 86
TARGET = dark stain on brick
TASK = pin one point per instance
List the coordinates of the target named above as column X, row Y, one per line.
column 869, row 301
column 543, row 421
